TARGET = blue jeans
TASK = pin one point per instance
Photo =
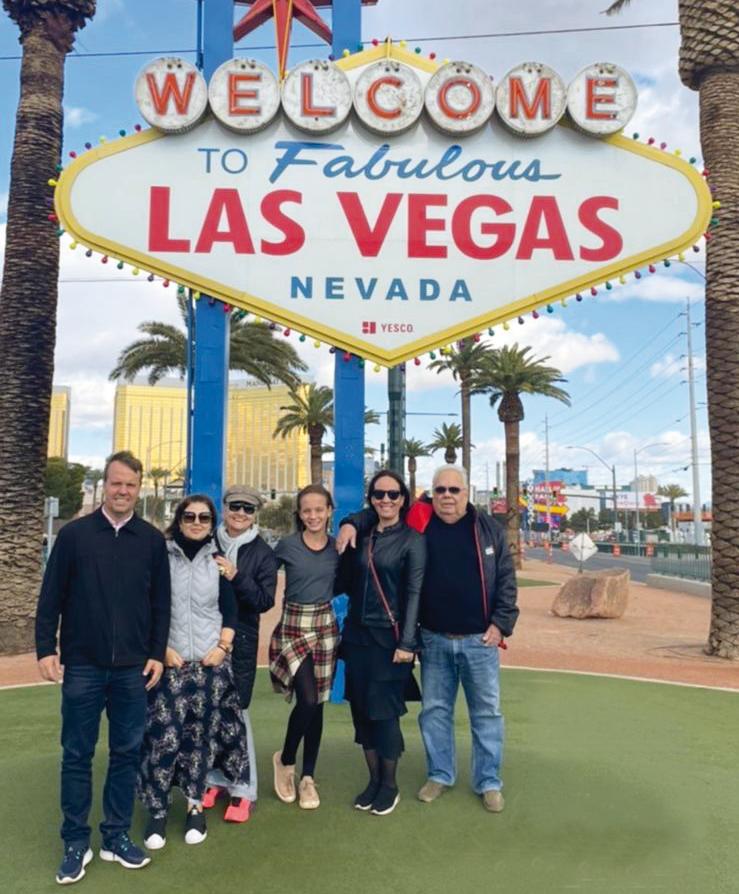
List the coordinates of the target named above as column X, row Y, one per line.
column 446, row 662
column 86, row 690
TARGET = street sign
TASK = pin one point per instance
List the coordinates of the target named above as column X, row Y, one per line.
column 420, row 217
column 51, row 507
column 582, row 547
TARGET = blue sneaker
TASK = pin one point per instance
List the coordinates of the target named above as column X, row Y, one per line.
column 73, row 864
column 122, row 850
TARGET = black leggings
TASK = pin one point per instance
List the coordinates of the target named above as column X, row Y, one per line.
column 382, row 736
column 306, row 720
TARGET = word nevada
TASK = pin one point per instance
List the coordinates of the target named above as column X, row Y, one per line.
column 387, row 96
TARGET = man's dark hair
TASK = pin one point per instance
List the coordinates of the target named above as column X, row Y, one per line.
column 126, row 458
column 402, row 487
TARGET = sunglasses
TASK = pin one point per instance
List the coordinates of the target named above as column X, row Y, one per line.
column 440, row 490
column 381, row 494
column 248, row 508
column 203, row 518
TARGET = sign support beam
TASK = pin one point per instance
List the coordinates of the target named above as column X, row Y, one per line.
column 210, row 373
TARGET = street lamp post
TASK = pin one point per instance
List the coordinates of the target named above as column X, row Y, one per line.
column 612, row 470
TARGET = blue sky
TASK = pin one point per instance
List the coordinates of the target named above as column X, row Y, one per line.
column 622, row 355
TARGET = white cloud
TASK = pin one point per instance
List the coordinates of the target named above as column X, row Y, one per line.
column 660, row 287
column 77, row 116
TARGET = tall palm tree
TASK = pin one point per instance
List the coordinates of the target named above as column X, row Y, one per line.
column 449, row 439
column 463, row 361
column 672, row 492
column 312, row 412
column 413, row 449
column 253, row 350
column 28, row 303
column 709, row 60
column 507, row 373
column 157, row 474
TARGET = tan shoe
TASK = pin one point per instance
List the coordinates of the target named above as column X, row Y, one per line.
column 284, row 779
column 492, row 800
column 431, row 790
column 308, row 794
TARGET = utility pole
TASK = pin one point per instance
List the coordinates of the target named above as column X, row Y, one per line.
column 636, row 494
column 395, row 418
column 547, row 495
column 697, row 512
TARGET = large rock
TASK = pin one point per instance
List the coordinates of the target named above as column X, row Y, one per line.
column 595, row 594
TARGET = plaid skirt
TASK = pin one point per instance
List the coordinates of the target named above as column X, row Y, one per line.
column 193, row 725
column 304, row 630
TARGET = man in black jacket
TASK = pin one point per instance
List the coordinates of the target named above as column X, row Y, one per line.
column 108, row 581
column 468, row 605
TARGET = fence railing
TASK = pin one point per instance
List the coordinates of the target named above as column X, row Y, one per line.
column 682, row 560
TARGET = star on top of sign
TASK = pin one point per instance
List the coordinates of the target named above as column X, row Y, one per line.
column 283, row 12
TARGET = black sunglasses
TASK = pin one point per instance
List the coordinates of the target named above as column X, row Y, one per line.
column 440, row 489
column 203, row 518
column 381, row 494
column 248, row 508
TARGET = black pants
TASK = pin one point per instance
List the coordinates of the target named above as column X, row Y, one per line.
column 86, row 691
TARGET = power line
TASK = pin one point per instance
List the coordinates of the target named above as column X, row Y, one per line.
column 492, row 35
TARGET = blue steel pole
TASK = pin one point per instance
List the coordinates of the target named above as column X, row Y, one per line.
column 348, row 375
column 210, row 374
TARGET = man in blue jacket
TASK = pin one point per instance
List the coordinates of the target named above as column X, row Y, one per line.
column 468, row 606
column 108, row 581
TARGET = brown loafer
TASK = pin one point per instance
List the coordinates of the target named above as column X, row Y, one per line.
column 431, row 790
column 493, row 801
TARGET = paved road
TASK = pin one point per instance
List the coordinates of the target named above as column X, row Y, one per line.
column 639, row 566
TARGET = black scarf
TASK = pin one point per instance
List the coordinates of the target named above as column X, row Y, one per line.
column 188, row 546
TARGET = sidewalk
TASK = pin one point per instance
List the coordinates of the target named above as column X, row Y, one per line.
column 661, row 636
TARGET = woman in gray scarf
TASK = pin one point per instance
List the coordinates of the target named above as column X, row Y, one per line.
column 250, row 565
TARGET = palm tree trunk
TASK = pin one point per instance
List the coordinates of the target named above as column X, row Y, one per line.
column 512, row 457
column 316, row 461
column 412, row 477
column 466, row 426
column 28, row 325
column 719, row 100
column 450, row 456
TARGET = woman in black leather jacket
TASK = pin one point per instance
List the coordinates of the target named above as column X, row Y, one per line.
column 383, row 578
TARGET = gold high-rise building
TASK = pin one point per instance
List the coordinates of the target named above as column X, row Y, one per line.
column 152, row 422
column 61, row 402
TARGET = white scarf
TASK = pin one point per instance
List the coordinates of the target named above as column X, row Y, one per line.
column 232, row 544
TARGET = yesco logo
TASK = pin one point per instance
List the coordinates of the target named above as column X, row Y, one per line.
column 371, row 327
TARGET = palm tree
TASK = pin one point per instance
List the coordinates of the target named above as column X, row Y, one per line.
column 158, row 474
column 28, row 326
column 507, row 373
column 413, row 449
column 253, row 350
column 463, row 361
column 449, row 439
column 94, row 476
column 672, row 492
column 312, row 412
column 709, row 57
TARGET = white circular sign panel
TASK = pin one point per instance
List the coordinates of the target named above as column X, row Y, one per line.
column 601, row 99
column 317, row 96
column 244, row 95
column 388, row 97
column 460, row 98
column 531, row 99
column 171, row 94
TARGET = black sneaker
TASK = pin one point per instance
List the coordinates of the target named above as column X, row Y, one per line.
column 155, row 836
column 73, row 864
column 385, row 801
column 195, row 831
column 364, row 799
column 122, row 850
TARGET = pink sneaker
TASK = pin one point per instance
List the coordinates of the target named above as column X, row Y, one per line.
column 211, row 796
column 238, row 811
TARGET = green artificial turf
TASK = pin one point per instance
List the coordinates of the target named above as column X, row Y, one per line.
column 611, row 786
column 527, row 582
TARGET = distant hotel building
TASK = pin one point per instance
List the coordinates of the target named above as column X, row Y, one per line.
column 61, row 402
column 151, row 421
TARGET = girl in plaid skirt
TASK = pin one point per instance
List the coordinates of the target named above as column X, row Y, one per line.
column 303, row 649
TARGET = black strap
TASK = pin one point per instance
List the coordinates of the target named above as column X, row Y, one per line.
column 378, row 587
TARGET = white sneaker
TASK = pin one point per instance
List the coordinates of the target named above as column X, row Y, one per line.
column 195, row 830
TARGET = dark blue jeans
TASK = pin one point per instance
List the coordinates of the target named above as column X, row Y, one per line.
column 86, row 690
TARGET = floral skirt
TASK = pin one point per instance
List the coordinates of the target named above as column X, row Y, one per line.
column 193, row 724
column 304, row 630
